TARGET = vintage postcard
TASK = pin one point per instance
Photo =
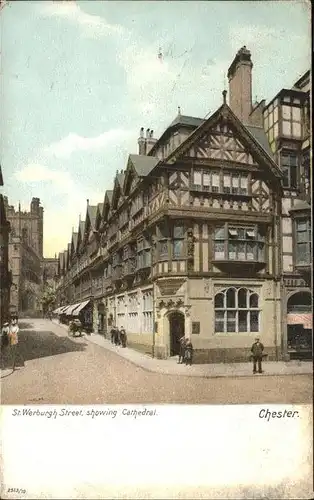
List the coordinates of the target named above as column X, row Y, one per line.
column 156, row 249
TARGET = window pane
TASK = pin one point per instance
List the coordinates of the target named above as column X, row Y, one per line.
column 231, row 321
column 215, row 180
column 163, row 248
column 220, row 233
column 241, row 234
column 303, row 253
column 293, row 177
column 206, row 179
column 235, row 181
column 241, row 251
column 227, row 180
column 250, row 251
column 243, row 321
column 219, row 249
column 261, row 252
column 302, row 236
column 230, row 297
column 178, row 231
column 231, row 251
column 254, row 321
column 301, row 225
column 233, row 232
column 197, row 178
column 219, row 300
column 286, row 177
column 254, row 300
column 219, row 321
column 147, row 258
column 178, row 249
column 242, row 298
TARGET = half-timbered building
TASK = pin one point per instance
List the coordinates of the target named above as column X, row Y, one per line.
column 190, row 239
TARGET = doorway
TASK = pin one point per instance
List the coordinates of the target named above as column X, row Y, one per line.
column 177, row 330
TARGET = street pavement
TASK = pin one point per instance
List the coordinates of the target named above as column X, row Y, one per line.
column 54, row 368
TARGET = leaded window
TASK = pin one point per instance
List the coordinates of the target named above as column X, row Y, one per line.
column 239, row 243
column 303, row 242
column 237, row 311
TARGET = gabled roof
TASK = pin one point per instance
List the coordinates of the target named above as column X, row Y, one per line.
column 74, row 240
column 143, row 164
column 92, row 212
column 118, row 186
column 261, row 137
column 189, row 121
column 224, row 112
column 107, row 202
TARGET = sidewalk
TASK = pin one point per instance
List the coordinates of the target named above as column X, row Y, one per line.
column 171, row 367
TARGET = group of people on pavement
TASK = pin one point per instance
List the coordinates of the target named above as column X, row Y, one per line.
column 185, row 351
column 118, row 336
column 9, row 338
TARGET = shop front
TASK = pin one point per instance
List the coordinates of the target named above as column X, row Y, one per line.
column 299, row 325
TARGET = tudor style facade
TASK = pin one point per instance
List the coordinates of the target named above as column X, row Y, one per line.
column 189, row 241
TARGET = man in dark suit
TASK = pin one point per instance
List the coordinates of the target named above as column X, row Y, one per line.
column 257, row 352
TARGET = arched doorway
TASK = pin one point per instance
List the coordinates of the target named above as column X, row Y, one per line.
column 176, row 330
column 299, row 325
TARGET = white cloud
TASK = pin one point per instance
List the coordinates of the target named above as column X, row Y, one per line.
column 73, row 142
column 92, row 26
column 35, row 172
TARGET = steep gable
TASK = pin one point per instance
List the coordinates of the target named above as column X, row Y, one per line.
column 224, row 137
column 107, row 204
column 117, row 190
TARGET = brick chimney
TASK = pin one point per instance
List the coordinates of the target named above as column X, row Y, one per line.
column 145, row 144
column 240, row 85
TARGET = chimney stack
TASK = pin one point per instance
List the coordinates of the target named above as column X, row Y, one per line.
column 145, row 144
column 240, row 85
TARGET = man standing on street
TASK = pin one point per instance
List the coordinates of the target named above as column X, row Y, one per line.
column 257, row 352
column 13, row 340
column 181, row 349
column 122, row 336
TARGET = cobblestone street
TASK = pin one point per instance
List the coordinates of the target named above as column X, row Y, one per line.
column 54, row 368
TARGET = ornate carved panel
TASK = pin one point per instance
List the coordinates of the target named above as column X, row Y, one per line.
column 261, row 196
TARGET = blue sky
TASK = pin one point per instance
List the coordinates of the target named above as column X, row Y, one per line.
column 79, row 80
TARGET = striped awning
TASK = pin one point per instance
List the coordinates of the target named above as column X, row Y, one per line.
column 70, row 309
column 64, row 309
column 304, row 319
column 79, row 308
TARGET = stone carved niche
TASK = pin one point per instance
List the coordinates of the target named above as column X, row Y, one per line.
column 170, row 287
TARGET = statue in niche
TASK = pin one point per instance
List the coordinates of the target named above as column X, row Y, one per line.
column 190, row 244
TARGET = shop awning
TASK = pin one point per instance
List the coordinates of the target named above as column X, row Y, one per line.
column 304, row 319
column 64, row 309
column 79, row 308
column 70, row 309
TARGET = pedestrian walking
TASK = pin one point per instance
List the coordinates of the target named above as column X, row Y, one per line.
column 13, row 340
column 188, row 352
column 122, row 334
column 181, row 349
column 257, row 352
column 117, row 336
column 5, row 334
column 112, row 334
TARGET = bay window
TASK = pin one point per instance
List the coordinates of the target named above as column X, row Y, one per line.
column 239, row 243
column 163, row 241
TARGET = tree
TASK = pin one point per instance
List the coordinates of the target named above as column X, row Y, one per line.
column 48, row 299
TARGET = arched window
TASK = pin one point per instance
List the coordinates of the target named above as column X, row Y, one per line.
column 237, row 311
